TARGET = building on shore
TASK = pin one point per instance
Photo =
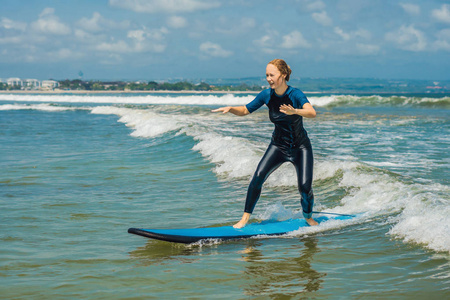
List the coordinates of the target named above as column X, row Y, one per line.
column 49, row 84
column 14, row 82
column 30, row 84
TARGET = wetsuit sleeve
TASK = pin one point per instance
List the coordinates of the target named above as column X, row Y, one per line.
column 299, row 99
column 259, row 101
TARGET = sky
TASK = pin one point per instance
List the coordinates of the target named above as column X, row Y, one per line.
column 201, row 39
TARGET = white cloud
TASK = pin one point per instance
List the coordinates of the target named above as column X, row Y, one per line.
column 247, row 23
column 411, row 9
column 12, row 25
column 215, row 50
column 138, row 41
column 176, row 22
column 265, row 43
column 408, row 38
column 345, row 36
column 358, row 42
column 272, row 42
column 11, row 40
column 312, row 5
column 111, row 59
column 322, row 18
column 367, row 49
column 443, row 41
column 137, row 35
column 233, row 26
column 363, row 33
column 148, row 34
column 64, row 53
column 165, row 6
column 87, row 37
column 48, row 23
column 91, row 24
column 118, row 47
column 148, row 40
column 47, row 12
column 98, row 23
column 12, row 32
column 293, row 40
column 442, row 14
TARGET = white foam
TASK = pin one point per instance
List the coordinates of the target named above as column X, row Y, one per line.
column 278, row 212
column 425, row 219
column 374, row 193
column 177, row 99
column 144, row 122
column 232, row 155
column 384, row 164
column 212, row 99
column 42, row 107
column 323, row 101
column 369, row 190
column 324, row 169
column 225, row 99
column 421, row 211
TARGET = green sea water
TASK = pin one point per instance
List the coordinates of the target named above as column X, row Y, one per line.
column 78, row 171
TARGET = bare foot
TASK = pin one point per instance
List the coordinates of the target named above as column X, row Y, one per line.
column 243, row 221
column 240, row 224
column 311, row 222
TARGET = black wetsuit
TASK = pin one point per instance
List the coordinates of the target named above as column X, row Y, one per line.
column 290, row 142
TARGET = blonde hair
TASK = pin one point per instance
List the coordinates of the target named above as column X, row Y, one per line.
column 283, row 67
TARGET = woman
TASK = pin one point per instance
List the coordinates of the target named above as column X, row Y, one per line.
column 290, row 142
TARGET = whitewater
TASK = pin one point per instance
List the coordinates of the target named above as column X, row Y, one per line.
column 165, row 159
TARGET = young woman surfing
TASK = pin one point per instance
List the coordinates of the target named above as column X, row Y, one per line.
column 290, row 142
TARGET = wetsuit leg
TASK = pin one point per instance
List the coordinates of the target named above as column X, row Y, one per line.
column 272, row 159
column 303, row 161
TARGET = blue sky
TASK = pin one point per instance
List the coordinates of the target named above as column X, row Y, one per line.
column 187, row 39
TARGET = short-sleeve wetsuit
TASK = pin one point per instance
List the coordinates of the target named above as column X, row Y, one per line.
column 289, row 142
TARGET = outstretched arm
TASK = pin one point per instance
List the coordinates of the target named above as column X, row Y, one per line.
column 236, row 110
column 306, row 111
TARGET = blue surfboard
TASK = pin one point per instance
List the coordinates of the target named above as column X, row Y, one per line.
column 265, row 228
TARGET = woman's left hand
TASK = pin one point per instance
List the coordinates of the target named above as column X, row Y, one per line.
column 287, row 109
column 306, row 111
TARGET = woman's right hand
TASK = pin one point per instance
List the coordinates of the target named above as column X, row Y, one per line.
column 224, row 109
column 236, row 110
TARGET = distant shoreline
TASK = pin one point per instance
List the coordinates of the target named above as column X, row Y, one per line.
column 62, row 92
column 123, row 91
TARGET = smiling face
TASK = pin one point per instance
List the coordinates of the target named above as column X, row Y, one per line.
column 274, row 77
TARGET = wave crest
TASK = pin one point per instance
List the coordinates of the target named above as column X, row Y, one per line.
column 229, row 99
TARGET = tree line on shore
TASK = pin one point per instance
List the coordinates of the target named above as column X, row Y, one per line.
column 92, row 85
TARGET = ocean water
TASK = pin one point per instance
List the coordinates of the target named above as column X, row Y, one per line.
column 77, row 170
